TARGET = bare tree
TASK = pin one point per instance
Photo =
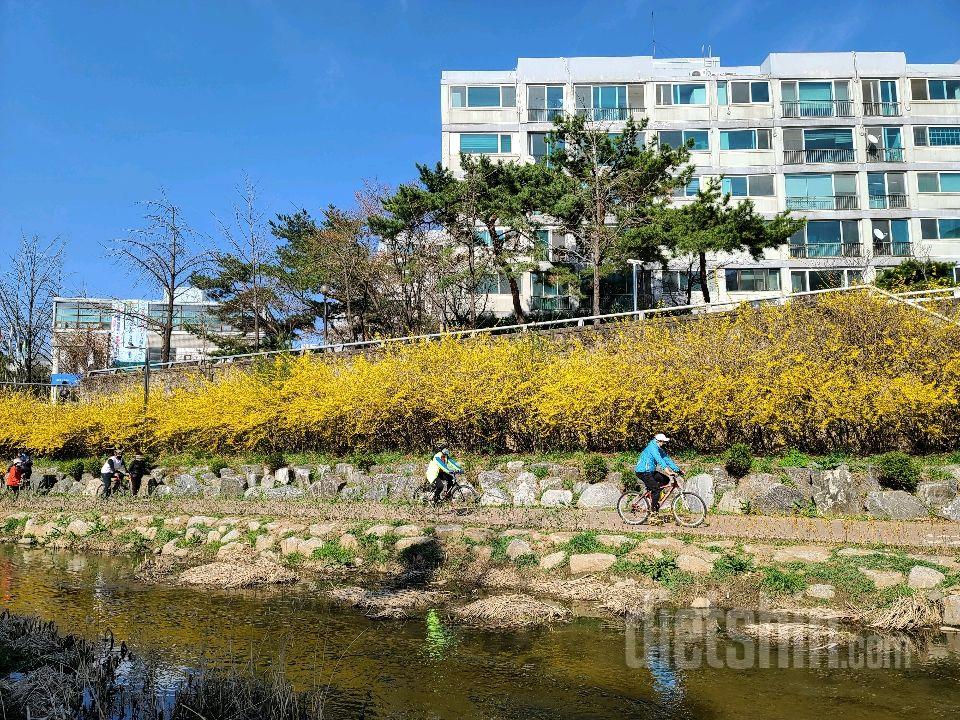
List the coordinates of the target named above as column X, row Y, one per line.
column 162, row 253
column 79, row 350
column 32, row 279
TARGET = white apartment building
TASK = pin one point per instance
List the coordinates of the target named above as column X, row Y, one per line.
column 866, row 146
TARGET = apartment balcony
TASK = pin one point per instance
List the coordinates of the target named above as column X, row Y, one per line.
column 543, row 114
column 892, row 248
column 824, row 202
column 882, row 154
column 831, row 155
column 826, row 250
column 608, row 114
column 888, row 202
column 881, row 109
column 817, row 108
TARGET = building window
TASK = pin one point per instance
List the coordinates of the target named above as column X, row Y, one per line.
column 826, row 238
column 938, row 182
column 494, row 284
column 745, row 139
column 752, row 279
column 817, row 99
column 743, row 92
column 811, row 280
column 547, row 294
column 821, row 192
column 676, row 138
column 82, row 316
column 880, row 97
column 544, row 102
column 929, row 89
column 483, row 96
column 689, row 190
column 679, row 281
column 682, row 94
column 945, row 229
column 485, row 143
column 891, row 237
column 747, row 185
column 936, row 136
column 607, row 103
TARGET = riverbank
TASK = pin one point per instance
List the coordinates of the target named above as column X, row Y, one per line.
column 395, row 561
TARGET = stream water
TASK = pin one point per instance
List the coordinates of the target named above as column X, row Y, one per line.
column 430, row 668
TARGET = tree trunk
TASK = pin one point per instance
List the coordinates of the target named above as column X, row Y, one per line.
column 704, row 287
column 167, row 327
column 515, row 295
column 596, row 273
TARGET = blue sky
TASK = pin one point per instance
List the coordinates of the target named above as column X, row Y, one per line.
column 104, row 103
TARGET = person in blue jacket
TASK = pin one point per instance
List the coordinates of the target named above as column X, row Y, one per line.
column 655, row 468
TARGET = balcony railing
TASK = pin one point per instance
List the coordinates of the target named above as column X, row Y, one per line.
column 882, row 154
column 881, row 109
column 823, row 202
column 817, row 108
column 882, row 202
column 556, row 303
column 608, row 114
column 825, row 250
column 832, row 155
column 894, row 248
column 543, row 114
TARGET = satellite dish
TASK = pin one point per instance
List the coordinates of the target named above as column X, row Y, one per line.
column 873, row 139
column 878, row 234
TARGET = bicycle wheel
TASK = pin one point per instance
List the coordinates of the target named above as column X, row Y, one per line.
column 689, row 509
column 463, row 495
column 633, row 508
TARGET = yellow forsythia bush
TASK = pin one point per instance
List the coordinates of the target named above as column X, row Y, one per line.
column 846, row 372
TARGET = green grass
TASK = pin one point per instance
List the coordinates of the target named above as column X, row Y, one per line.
column 332, row 552
column 292, row 560
column 782, row 582
column 526, row 560
column 731, row 565
column 165, row 535
column 499, row 547
column 584, row 542
column 662, row 569
column 13, row 525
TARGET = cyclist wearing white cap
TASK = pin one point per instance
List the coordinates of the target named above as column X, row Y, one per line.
column 440, row 473
column 655, row 468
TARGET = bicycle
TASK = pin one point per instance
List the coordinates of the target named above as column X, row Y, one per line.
column 688, row 508
column 458, row 493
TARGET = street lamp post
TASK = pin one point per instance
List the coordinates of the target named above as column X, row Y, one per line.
column 324, row 289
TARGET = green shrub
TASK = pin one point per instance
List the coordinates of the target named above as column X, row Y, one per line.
column 794, row 458
column 832, row 461
column 92, row 466
column 274, row 461
column 333, row 552
column 584, row 542
column 594, row 468
column 363, row 460
column 218, row 464
column 897, row 471
column 526, row 560
column 730, row 565
column 739, row 460
column 782, row 582
column 74, row 469
column 540, row 471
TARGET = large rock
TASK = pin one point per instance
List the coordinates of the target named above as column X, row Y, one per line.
column 951, row 610
column 801, row 553
column 409, row 542
column 404, row 486
column 951, row 511
column 599, row 495
column 924, row 578
column 554, row 559
column 62, row 487
column 284, row 492
column 778, row 498
column 556, row 498
column 491, row 479
column 694, row 564
column 731, row 502
column 523, row 489
column 754, row 485
column 703, row 486
column 377, row 488
column 591, row 562
column 895, row 505
column 722, row 482
column 494, row 496
column 302, row 476
column 884, row 578
column 226, row 486
column 821, row 592
column 937, row 493
column 834, row 491
column 517, row 548
column 188, row 484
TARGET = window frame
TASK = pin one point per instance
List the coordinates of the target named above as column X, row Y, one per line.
column 673, row 94
column 921, row 135
column 925, row 224
column 727, row 96
column 500, row 143
column 767, row 273
column 928, row 85
column 768, row 132
column 512, row 89
column 684, row 138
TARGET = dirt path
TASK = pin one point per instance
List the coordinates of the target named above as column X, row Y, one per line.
column 917, row 534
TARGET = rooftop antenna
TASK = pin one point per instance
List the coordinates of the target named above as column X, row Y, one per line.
column 653, row 25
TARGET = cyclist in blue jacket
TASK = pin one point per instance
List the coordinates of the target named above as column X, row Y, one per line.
column 655, row 468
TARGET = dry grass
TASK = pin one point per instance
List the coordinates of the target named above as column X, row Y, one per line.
column 382, row 604
column 237, row 575
column 907, row 613
column 511, row 611
column 805, row 636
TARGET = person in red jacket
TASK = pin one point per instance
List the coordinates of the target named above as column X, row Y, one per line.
column 15, row 476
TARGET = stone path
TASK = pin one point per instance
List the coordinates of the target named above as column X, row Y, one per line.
column 932, row 534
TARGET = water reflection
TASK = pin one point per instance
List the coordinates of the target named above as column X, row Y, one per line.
column 429, row 667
